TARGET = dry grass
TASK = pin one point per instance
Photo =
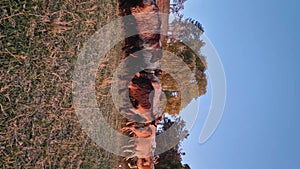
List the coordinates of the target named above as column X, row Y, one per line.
column 39, row 41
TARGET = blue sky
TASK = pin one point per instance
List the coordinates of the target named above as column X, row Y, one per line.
column 259, row 45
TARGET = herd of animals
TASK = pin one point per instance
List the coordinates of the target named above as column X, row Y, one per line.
column 142, row 107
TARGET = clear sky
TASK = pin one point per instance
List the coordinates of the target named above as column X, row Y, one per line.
column 259, row 45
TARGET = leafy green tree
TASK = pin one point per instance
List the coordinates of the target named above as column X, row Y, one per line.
column 184, row 41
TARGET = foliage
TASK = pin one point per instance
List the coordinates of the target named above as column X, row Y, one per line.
column 177, row 6
column 185, row 42
column 39, row 41
column 171, row 159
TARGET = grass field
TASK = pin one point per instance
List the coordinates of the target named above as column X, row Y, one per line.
column 39, row 43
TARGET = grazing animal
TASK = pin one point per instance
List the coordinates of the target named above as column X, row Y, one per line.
column 140, row 132
column 145, row 88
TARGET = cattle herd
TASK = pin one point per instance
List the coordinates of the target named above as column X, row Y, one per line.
column 143, row 90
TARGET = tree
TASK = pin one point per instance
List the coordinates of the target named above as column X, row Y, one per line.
column 171, row 159
column 185, row 166
column 184, row 41
column 177, row 5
